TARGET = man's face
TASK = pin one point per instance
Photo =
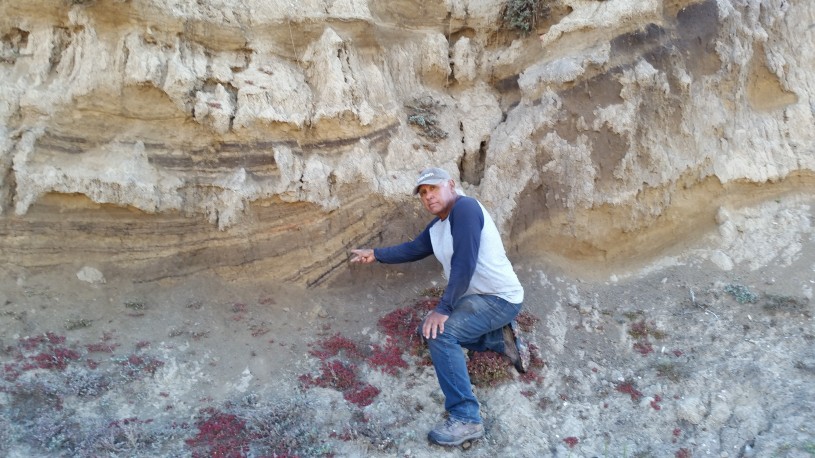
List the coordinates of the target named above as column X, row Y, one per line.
column 438, row 199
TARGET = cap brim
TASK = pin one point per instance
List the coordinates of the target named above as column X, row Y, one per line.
column 432, row 182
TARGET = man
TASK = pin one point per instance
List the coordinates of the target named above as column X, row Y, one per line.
column 479, row 304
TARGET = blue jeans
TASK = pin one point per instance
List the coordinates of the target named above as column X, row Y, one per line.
column 475, row 324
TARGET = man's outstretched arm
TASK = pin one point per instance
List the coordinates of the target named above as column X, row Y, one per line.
column 416, row 249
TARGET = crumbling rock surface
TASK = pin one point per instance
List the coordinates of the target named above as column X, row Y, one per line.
column 168, row 137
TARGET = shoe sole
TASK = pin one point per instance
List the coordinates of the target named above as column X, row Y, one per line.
column 522, row 363
column 471, row 437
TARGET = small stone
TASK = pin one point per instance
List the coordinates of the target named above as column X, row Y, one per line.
column 722, row 260
column 691, row 409
column 90, row 275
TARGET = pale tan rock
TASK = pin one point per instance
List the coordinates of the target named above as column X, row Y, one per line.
column 214, row 109
column 464, row 60
column 276, row 92
column 435, row 65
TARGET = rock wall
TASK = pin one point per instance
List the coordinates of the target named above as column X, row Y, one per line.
column 161, row 138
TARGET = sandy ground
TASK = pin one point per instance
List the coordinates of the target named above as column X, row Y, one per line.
column 707, row 352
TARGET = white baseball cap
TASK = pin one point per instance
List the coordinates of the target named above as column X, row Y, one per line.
column 432, row 176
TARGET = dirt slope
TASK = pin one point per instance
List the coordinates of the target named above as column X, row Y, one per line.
column 705, row 353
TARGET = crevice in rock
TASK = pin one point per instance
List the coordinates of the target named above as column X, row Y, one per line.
column 8, row 186
column 61, row 41
column 472, row 164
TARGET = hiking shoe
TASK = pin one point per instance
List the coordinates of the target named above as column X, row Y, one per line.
column 454, row 432
column 516, row 348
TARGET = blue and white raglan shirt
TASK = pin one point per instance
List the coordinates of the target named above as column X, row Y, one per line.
column 469, row 247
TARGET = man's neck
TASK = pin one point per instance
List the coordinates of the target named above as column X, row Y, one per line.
column 443, row 215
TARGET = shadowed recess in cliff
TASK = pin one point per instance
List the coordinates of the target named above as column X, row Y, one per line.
column 698, row 26
column 605, row 238
column 10, row 44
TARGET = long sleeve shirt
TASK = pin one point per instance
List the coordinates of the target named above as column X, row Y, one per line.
column 468, row 245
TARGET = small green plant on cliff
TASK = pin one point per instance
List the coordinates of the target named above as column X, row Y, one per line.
column 523, row 14
column 741, row 294
column 422, row 115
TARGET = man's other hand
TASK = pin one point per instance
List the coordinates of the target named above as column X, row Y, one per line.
column 433, row 325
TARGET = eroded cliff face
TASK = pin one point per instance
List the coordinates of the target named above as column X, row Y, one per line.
column 168, row 137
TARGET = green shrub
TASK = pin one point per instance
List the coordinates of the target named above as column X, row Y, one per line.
column 422, row 115
column 522, row 14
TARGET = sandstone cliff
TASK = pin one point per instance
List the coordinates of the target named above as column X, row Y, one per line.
column 168, row 137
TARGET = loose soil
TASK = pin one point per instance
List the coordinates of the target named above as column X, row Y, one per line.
column 707, row 352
